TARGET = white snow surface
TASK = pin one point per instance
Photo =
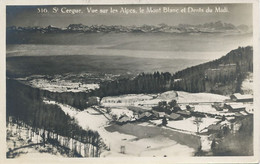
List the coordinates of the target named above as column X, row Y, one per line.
column 125, row 100
column 188, row 124
column 89, row 119
column 84, row 118
column 185, row 97
column 207, row 108
column 150, row 100
column 143, row 147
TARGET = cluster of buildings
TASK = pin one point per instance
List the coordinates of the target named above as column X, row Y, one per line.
column 237, row 103
column 178, row 112
column 236, row 107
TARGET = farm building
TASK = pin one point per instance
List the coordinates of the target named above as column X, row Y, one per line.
column 241, row 98
column 190, row 107
column 158, row 114
column 145, row 115
column 184, row 113
column 174, row 116
column 234, row 107
column 183, row 107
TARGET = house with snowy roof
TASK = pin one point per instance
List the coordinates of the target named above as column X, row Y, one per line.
column 174, row 116
column 158, row 114
column 235, row 107
column 241, row 98
column 145, row 115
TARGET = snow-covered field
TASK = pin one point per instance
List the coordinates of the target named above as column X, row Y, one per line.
column 153, row 99
column 185, row 97
column 207, row 108
column 126, row 100
column 85, row 119
column 58, row 85
column 118, row 106
column 153, row 147
column 188, row 124
column 114, row 140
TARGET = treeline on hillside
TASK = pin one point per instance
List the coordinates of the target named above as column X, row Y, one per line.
column 194, row 80
column 191, row 79
column 143, row 83
column 243, row 56
column 159, row 82
column 25, row 104
column 76, row 99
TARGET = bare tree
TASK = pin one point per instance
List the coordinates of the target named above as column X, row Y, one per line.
column 197, row 122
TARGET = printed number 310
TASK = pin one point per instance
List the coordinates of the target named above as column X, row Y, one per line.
column 42, row 10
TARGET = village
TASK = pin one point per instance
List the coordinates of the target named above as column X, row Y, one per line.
column 200, row 114
column 236, row 106
column 191, row 121
column 194, row 120
column 135, row 124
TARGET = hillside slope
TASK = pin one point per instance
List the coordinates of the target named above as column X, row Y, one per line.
column 222, row 76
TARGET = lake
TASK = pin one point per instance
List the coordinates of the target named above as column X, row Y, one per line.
column 119, row 52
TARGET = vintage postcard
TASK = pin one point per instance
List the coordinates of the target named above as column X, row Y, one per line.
column 148, row 82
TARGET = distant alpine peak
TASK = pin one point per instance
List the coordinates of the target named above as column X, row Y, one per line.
column 212, row 27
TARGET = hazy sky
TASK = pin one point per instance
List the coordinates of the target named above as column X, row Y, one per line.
column 29, row 16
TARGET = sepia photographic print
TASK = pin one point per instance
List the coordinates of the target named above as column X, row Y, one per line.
column 105, row 81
